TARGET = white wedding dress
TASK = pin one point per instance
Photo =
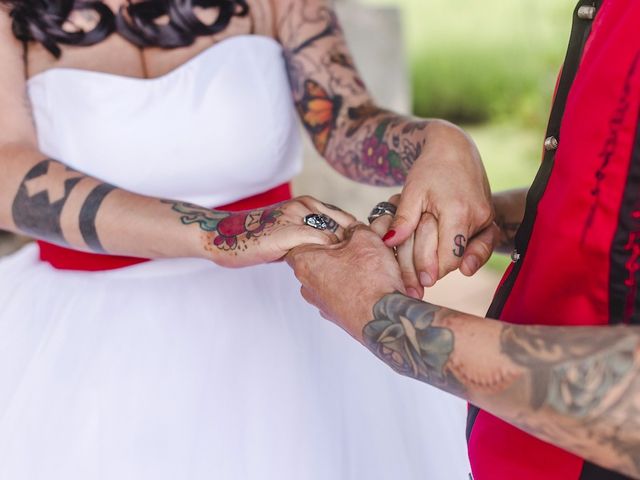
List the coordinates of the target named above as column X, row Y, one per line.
column 181, row 369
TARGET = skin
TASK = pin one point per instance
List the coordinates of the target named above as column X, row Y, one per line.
column 575, row 387
column 375, row 146
column 357, row 137
column 509, row 209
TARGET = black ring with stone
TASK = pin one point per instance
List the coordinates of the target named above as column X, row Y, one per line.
column 381, row 209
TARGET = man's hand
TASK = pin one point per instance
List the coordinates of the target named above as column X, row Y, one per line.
column 347, row 279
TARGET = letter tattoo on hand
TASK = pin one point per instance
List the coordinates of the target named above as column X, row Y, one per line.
column 461, row 244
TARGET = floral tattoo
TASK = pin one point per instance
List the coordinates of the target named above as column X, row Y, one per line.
column 359, row 139
column 230, row 231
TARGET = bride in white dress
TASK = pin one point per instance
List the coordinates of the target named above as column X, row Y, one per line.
column 181, row 368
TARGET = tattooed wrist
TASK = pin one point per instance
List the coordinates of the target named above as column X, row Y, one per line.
column 230, row 232
column 403, row 335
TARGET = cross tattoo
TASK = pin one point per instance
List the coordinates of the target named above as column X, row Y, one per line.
column 52, row 183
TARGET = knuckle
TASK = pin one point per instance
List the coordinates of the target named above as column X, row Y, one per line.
column 306, row 199
column 483, row 250
column 400, row 218
column 457, row 209
column 409, row 277
column 484, row 213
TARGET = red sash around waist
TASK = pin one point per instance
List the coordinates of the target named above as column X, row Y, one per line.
column 68, row 259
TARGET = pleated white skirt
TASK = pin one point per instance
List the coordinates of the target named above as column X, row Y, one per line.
column 182, row 370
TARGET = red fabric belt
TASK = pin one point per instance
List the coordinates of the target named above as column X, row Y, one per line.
column 68, row 259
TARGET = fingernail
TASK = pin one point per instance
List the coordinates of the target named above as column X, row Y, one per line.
column 412, row 292
column 472, row 263
column 425, row 279
column 389, row 235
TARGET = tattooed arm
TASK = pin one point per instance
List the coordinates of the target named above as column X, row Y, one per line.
column 576, row 387
column 437, row 163
column 45, row 199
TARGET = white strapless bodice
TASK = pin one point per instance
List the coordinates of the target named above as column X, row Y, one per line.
column 219, row 128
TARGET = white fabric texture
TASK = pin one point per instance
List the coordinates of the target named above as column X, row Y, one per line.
column 180, row 369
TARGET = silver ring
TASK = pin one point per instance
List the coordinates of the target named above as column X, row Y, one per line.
column 381, row 209
column 320, row 221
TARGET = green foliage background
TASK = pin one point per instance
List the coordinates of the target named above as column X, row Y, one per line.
column 491, row 66
column 475, row 61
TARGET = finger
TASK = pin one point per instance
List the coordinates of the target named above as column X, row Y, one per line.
column 453, row 235
column 297, row 252
column 345, row 219
column 340, row 218
column 425, row 250
column 295, row 235
column 408, row 271
column 406, row 218
column 299, row 211
column 479, row 250
column 381, row 225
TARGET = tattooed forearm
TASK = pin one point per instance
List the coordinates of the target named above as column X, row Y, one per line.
column 42, row 195
column 576, row 387
column 403, row 335
column 573, row 370
column 359, row 139
column 226, row 230
column 88, row 214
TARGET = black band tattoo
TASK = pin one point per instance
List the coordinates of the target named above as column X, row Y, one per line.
column 88, row 214
column 460, row 242
column 41, row 197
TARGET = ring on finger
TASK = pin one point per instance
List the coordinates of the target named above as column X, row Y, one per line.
column 381, row 209
column 319, row 221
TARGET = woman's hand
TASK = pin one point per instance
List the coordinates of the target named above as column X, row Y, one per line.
column 446, row 201
column 412, row 253
column 240, row 239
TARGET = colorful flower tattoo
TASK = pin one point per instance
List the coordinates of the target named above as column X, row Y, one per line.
column 230, row 231
column 379, row 157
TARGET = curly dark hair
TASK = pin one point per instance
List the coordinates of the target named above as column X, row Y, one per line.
column 42, row 21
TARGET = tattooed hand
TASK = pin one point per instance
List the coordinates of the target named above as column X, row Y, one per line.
column 345, row 280
column 240, row 239
column 417, row 264
column 446, row 202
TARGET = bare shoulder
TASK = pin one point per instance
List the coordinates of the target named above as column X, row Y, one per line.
column 15, row 116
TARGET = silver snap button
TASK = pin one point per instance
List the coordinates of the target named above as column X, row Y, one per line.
column 550, row 144
column 587, row 12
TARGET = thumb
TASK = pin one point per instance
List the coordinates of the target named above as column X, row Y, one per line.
column 479, row 250
column 405, row 220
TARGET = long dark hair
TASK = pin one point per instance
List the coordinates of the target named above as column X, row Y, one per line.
column 42, row 21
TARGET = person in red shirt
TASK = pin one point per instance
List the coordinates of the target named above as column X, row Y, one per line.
column 554, row 385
